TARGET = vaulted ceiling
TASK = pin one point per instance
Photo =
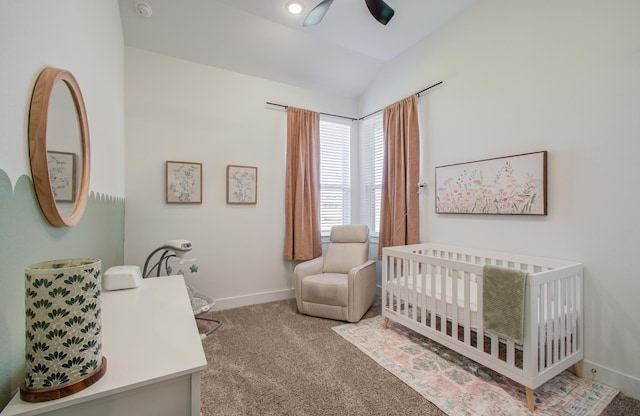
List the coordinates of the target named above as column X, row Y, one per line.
column 341, row 55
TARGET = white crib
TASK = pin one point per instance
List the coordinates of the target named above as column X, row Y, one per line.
column 424, row 283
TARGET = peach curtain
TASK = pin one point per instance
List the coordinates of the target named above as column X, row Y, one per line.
column 399, row 213
column 302, row 194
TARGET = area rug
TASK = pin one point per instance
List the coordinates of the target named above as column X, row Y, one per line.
column 460, row 386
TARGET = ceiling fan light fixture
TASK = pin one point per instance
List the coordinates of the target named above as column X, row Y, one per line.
column 294, row 7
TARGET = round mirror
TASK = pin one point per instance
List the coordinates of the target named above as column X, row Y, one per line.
column 59, row 147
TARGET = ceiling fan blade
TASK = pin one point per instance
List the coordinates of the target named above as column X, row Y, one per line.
column 380, row 10
column 317, row 13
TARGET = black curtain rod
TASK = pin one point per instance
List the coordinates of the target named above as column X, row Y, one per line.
column 324, row 114
column 418, row 94
column 361, row 118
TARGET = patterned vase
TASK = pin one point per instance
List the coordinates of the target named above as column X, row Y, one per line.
column 63, row 348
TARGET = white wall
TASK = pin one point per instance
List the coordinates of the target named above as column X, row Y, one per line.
column 545, row 75
column 178, row 110
column 85, row 40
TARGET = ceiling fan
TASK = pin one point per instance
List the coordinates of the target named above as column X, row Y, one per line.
column 378, row 9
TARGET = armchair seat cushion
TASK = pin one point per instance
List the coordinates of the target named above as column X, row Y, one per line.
column 326, row 288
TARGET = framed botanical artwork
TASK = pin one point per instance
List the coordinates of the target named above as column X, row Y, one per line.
column 510, row 185
column 184, row 182
column 62, row 175
column 242, row 184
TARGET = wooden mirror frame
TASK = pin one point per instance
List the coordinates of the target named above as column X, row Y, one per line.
column 38, row 118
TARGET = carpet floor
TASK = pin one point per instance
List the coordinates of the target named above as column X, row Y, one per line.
column 268, row 359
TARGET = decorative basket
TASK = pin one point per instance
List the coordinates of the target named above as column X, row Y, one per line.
column 63, row 348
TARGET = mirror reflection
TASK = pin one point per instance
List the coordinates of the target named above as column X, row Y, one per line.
column 64, row 148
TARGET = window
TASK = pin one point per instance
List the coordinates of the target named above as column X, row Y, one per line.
column 335, row 174
column 372, row 153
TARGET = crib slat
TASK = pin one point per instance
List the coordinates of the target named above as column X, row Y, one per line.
column 559, row 321
column 549, row 321
column 444, row 272
column 480, row 333
column 423, row 294
column 394, row 280
column 566, row 319
column 408, row 307
column 495, row 350
column 542, row 326
column 390, row 282
column 544, row 319
column 384, row 281
column 574, row 308
column 417, row 293
column 552, row 324
column 413, row 299
column 405, row 288
column 391, row 279
column 399, row 275
column 511, row 353
column 562, row 323
column 399, row 289
column 454, row 303
column 467, row 308
column 554, row 321
column 408, row 293
column 434, row 302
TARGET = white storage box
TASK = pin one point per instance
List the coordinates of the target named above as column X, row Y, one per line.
column 122, row 277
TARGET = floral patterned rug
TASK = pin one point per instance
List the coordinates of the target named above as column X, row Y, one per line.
column 460, row 386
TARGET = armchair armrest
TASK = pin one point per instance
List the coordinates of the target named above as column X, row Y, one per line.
column 364, row 266
column 307, row 268
column 362, row 289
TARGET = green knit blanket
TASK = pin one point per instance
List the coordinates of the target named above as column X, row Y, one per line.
column 503, row 302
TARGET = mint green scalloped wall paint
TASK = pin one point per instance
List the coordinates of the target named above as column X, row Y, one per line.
column 27, row 238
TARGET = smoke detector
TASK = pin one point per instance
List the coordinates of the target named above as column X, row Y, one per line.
column 143, row 9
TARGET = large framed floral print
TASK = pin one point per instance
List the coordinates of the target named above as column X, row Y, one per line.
column 509, row 185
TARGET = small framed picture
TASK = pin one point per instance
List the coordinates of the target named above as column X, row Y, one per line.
column 62, row 175
column 242, row 184
column 184, row 182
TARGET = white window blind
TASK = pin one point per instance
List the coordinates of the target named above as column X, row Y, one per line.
column 335, row 174
column 372, row 154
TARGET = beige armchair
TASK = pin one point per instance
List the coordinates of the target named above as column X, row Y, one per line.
column 342, row 284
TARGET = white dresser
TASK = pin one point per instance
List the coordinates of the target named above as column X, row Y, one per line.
column 154, row 358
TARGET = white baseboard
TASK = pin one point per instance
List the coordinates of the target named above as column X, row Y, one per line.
column 627, row 384
column 257, row 298
column 253, row 299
